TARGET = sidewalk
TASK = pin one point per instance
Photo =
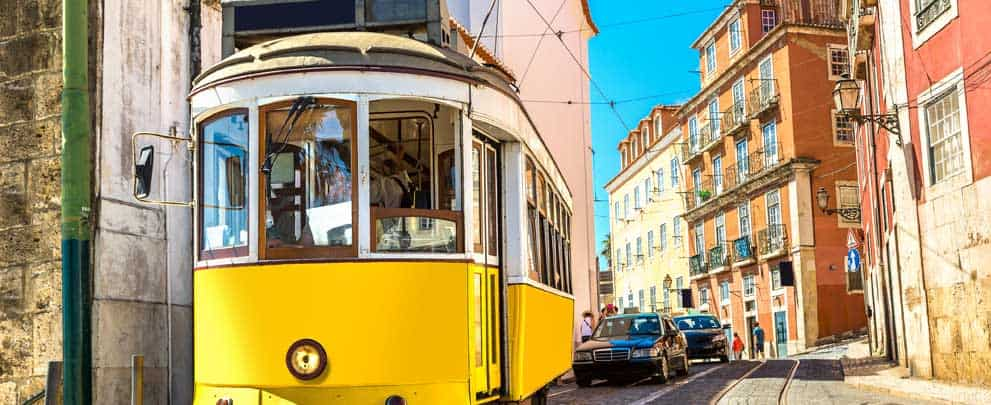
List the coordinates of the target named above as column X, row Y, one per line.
column 872, row 374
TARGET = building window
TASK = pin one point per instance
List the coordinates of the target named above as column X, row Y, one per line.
column 713, row 120
column 928, row 10
column 621, row 303
column 773, row 201
column 636, row 197
column 626, row 206
column 674, row 172
column 749, row 288
column 649, row 189
column 770, row 134
column 710, row 58
column 640, row 296
column 629, row 297
column 618, row 214
column 843, row 129
column 639, row 249
column 768, row 19
column 699, row 239
column 653, row 299
column 703, row 296
column 743, row 212
column 657, row 127
column 629, row 254
column 720, row 229
column 734, row 36
column 650, row 243
column 667, row 300
column 839, row 61
column 676, row 229
column 660, row 180
column 775, row 279
column 848, row 196
column 617, row 262
column 664, row 237
column 693, row 133
column 724, row 292
column 645, row 138
column 742, row 161
column 946, row 152
column 717, row 173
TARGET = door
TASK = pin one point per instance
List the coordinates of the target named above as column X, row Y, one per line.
column 751, row 320
column 781, row 333
column 486, row 281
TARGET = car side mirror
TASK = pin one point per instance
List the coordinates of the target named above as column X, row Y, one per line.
column 143, row 170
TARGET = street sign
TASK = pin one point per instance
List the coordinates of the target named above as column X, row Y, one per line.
column 852, row 239
column 853, row 260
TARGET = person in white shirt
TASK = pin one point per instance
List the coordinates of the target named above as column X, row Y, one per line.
column 586, row 328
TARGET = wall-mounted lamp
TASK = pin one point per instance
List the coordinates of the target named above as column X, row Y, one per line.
column 846, row 96
column 822, row 200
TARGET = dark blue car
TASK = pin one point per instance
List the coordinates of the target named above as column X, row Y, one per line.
column 630, row 347
column 705, row 337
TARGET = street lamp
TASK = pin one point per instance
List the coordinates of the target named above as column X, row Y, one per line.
column 667, row 289
column 846, row 97
column 822, row 200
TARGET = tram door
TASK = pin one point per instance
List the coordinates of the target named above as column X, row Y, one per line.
column 485, row 283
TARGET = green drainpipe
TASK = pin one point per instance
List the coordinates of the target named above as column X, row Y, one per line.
column 76, row 166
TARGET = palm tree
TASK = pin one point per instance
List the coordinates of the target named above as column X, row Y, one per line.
column 606, row 251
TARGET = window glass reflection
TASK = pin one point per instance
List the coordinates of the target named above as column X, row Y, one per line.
column 224, row 168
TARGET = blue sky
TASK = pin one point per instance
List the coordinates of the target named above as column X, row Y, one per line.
column 651, row 57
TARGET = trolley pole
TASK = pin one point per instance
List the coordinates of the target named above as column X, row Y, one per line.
column 76, row 188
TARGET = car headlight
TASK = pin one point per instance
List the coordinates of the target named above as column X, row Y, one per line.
column 583, row 356
column 646, row 352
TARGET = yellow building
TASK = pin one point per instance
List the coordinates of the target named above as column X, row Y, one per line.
column 648, row 235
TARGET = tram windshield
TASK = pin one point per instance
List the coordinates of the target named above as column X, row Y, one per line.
column 308, row 160
column 224, row 173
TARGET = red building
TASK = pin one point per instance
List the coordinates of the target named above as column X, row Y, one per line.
column 923, row 68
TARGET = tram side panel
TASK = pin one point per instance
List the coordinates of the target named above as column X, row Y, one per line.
column 539, row 338
column 388, row 328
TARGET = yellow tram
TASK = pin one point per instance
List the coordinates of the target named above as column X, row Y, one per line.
column 377, row 221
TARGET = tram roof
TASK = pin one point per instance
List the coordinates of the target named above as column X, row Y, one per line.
column 349, row 50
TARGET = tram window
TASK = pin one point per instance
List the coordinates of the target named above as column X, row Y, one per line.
column 492, row 201
column 223, row 209
column 413, row 193
column 530, row 184
column 476, row 196
column 534, row 253
column 308, row 187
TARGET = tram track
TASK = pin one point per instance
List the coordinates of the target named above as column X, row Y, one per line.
column 765, row 384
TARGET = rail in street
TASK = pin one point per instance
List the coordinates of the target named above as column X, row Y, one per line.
column 771, row 382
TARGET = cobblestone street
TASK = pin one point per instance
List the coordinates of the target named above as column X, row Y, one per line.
column 804, row 381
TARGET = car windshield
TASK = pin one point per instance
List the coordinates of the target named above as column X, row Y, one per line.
column 697, row 322
column 628, row 326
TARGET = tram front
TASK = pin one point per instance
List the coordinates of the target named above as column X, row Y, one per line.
column 351, row 193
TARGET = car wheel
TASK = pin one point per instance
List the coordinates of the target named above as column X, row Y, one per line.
column 665, row 371
column 583, row 381
column 539, row 397
column 684, row 366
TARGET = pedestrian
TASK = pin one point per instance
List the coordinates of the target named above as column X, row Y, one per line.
column 586, row 329
column 758, row 341
column 611, row 310
column 737, row 347
column 602, row 315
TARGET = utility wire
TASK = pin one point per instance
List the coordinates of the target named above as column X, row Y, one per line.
column 539, row 42
column 613, row 25
column 616, row 102
column 612, row 104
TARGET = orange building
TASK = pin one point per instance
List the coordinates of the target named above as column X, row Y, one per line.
column 760, row 139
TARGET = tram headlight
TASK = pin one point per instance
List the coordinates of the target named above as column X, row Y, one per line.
column 395, row 400
column 583, row 356
column 306, row 359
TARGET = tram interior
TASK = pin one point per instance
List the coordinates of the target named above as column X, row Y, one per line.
column 413, row 172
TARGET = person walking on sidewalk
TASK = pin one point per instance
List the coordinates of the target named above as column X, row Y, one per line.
column 758, row 341
column 586, row 326
column 737, row 347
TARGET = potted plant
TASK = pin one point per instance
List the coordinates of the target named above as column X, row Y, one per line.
column 704, row 194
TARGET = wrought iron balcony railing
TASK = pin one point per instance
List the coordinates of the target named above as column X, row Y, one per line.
column 701, row 193
column 817, row 13
column 718, row 256
column 763, row 97
column 696, row 265
column 743, row 248
column 735, row 120
column 771, row 240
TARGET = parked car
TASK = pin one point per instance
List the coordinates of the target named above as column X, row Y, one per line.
column 705, row 337
column 632, row 346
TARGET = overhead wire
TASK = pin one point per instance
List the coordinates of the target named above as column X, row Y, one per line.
column 601, row 26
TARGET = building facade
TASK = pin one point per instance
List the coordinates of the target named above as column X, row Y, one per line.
column 924, row 63
column 761, row 138
column 649, row 258
column 142, row 56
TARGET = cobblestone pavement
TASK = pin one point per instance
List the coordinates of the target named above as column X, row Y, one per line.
column 812, row 381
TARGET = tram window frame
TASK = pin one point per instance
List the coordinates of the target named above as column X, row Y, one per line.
column 226, row 252
column 530, row 181
column 437, row 211
column 308, row 252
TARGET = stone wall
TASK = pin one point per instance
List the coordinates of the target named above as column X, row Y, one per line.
column 30, row 139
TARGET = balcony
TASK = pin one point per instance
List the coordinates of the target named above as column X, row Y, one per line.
column 707, row 137
column 771, row 241
column 763, row 98
column 696, row 265
column 735, row 121
column 866, row 21
column 816, row 13
column 718, row 258
column 700, row 193
column 743, row 249
column 930, row 12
